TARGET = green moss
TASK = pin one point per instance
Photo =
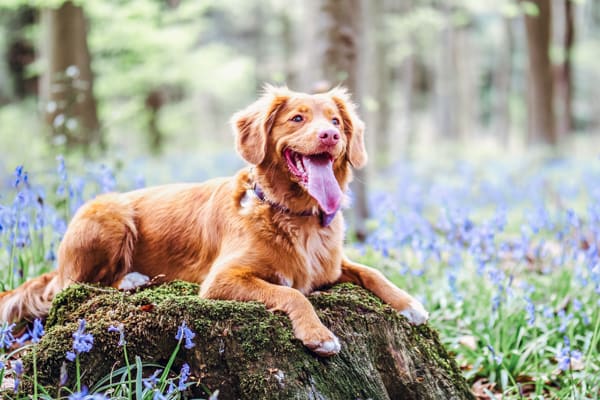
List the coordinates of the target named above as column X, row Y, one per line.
column 67, row 301
column 241, row 348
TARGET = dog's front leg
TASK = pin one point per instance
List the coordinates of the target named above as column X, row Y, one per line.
column 240, row 283
column 379, row 285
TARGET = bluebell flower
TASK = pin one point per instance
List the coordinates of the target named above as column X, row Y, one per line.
column 18, row 372
column 107, row 179
column 82, row 342
column 85, row 395
column 530, row 309
column 151, row 381
column 50, row 254
column 6, row 336
column 18, row 176
column 497, row 357
column 121, row 329
column 79, row 395
column 171, row 388
column 61, row 169
column 564, row 320
column 70, row 355
column 38, row 331
column 566, row 356
column 585, row 319
column 183, row 377
column 183, row 332
column 159, row 396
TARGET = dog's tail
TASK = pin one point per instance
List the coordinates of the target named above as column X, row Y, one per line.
column 30, row 300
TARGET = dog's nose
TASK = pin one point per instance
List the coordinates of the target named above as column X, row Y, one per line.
column 329, row 137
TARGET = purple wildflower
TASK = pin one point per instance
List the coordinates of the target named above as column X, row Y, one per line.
column 183, row 377
column 84, row 395
column 566, row 356
column 119, row 328
column 530, row 309
column 18, row 372
column 6, row 336
column 158, row 396
column 37, row 332
column 183, row 332
column 82, row 342
column 79, row 395
column 497, row 357
column 151, row 381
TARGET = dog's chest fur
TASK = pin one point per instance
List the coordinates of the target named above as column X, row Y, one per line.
column 314, row 254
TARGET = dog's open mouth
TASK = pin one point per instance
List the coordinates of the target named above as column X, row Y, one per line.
column 315, row 173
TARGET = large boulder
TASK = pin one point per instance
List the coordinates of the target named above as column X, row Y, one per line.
column 248, row 352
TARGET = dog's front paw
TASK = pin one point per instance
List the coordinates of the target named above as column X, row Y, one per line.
column 321, row 342
column 415, row 313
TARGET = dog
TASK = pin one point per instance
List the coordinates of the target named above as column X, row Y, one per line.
column 272, row 233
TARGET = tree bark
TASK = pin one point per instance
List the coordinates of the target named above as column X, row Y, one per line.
column 503, row 85
column 289, row 49
column 20, row 52
column 247, row 352
column 542, row 125
column 565, row 78
column 67, row 84
column 447, row 100
column 380, row 75
column 339, row 28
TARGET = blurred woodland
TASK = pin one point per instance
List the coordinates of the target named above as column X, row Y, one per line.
column 150, row 75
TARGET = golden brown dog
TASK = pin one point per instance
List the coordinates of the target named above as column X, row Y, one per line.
column 271, row 233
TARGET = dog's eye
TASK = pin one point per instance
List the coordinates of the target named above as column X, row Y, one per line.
column 297, row 118
column 335, row 121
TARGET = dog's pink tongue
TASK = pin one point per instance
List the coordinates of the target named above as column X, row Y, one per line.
column 322, row 185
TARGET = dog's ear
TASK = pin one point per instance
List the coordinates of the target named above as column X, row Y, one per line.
column 254, row 123
column 353, row 127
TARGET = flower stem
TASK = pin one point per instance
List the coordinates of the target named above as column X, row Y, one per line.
column 77, row 373
column 129, row 381
column 35, row 382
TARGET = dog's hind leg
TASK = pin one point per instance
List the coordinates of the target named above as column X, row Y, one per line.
column 99, row 243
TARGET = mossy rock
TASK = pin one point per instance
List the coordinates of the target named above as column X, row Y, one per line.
column 247, row 352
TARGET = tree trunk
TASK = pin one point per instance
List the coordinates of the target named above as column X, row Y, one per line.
column 260, row 51
column 67, row 85
column 247, row 352
column 541, row 90
column 447, row 101
column 564, row 76
column 339, row 27
column 503, row 85
column 380, row 74
column 289, row 49
column 20, row 52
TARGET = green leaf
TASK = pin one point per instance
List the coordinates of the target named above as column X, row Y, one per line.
column 530, row 8
column 510, row 9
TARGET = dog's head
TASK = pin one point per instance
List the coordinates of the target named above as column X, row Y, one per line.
column 298, row 140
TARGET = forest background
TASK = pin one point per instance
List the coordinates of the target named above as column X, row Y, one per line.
column 483, row 123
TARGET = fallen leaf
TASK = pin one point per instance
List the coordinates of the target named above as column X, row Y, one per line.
column 484, row 390
column 469, row 341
